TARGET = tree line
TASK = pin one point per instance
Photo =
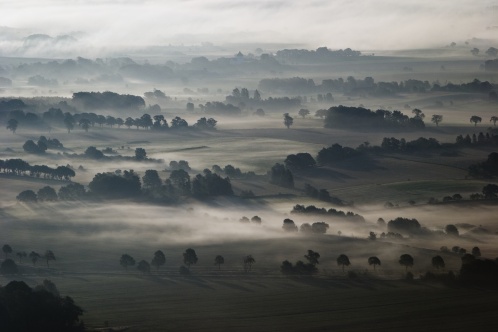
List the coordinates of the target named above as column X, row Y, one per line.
column 20, row 167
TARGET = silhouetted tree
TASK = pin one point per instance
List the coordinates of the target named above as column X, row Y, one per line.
column 21, row 255
column 303, row 112
column 406, row 260
column 288, row 120
column 438, row 262
column 151, row 179
column 126, row 260
column 49, row 256
column 256, row 220
column 373, row 261
column 140, row 154
column 85, row 124
column 68, row 121
column 218, row 260
column 312, row 257
column 12, row 125
column 189, row 257
column 494, row 119
column 451, row 230
column 289, row 225
column 7, row 250
column 27, row 196
column 34, row 256
column 476, row 252
column 474, row 51
column 159, row 259
column 436, row 118
column 143, row 267
column 47, row 193
column 490, row 191
column 343, row 261
column 248, row 262
column 475, row 119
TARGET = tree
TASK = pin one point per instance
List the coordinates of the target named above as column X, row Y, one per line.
column 85, row 124
column 143, row 267
column 126, row 260
column 289, row 225
column 343, row 261
column 288, row 120
column 475, row 119
column 312, row 257
column 189, row 257
column 21, row 255
column 8, row 267
column 303, row 112
column 494, row 119
column 190, row 107
column 438, row 262
column 68, row 121
column 492, row 51
column 7, row 249
column 140, row 154
column 490, row 191
column 436, row 118
column 474, row 51
column 151, row 179
column 418, row 114
column 12, row 125
column 406, row 260
column 34, row 256
column 218, row 260
column 49, row 256
column 451, row 230
column 159, row 259
column 248, row 262
column 47, row 193
column 476, row 252
column 373, row 261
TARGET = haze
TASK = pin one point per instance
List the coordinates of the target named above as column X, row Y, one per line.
column 102, row 28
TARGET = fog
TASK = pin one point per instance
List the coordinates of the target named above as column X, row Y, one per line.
column 100, row 28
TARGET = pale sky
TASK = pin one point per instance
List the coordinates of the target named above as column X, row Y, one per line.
column 102, row 26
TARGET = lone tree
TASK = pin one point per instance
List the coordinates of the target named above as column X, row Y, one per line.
column 218, row 260
column 21, row 255
column 289, row 225
column 343, row 261
column 85, row 124
column 373, row 261
column 7, row 249
column 476, row 252
column 451, row 230
column 288, row 120
column 406, row 260
column 438, row 262
column 143, row 267
column 418, row 114
column 248, row 262
column 475, row 119
column 126, row 260
column 159, row 259
column 312, row 257
column 34, row 256
column 140, row 154
column 12, row 125
column 189, row 257
column 493, row 119
column 303, row 112
column 49, row 256
column 436, row 118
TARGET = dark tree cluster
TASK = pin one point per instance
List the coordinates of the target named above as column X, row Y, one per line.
column 404, row 225
column 487, row 168
column 313, row 210
column 315, row 228
column 336, row 153
column 37, row 309
column 255, row 220
column 242, row 99
column 42, row 145
column 475, row 86
column 177, row 165
column 107, row 100
column 302, row 268
column 360, row 118
column 281, row 176
column 232, row 172
column 23, row 168
column 299, row 161
column 320, row 194
column 392, row 144
column 211, row 184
